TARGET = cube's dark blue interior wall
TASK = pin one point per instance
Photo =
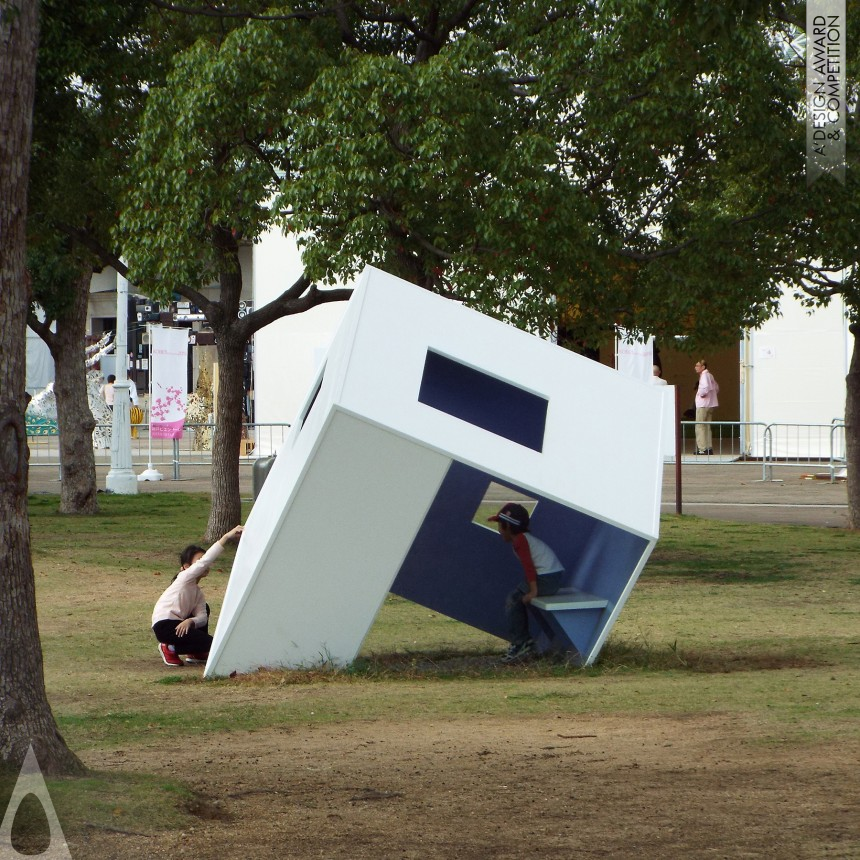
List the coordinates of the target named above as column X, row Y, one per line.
column 483, row 400
column 465, row 571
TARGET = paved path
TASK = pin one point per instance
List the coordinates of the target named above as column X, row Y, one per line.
column 736, row 492
column 727, row 491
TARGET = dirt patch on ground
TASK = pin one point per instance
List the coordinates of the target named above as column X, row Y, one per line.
column 560, row 787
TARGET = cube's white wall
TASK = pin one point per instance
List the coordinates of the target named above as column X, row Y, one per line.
column 329, row 564
column 353, row 485
column 587, row 452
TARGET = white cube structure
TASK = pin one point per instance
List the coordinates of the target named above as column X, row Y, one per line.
column 420, row 405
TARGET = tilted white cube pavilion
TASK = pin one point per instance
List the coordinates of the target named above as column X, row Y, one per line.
column 421, row 406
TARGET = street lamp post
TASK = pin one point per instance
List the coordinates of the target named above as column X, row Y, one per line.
column 121, row 478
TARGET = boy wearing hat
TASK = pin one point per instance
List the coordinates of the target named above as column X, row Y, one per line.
column 543, row 572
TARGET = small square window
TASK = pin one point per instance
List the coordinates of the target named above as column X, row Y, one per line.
column 495, row 496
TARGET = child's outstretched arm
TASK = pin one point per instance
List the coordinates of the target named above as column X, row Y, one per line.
column 235, row 532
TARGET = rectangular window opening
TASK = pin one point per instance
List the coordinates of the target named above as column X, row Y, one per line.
column 484, row 401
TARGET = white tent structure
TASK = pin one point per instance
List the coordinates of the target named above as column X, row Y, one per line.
column 793, row 372
column 420, row 406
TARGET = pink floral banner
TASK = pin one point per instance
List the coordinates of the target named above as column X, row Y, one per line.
column 169, row 369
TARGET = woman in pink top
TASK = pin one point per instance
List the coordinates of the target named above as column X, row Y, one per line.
column 180, row 620
column 706, row 400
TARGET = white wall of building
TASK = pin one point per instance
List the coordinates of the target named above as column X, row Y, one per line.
column 799, row 362
column 288, row 352
column 794, row 366
column 40, row 365
column 795, row 375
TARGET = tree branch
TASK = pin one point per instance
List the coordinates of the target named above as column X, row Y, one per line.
column 643, row 257
column 459, row 18
column 383, row 18
column 43, row 329
column 196, row 298
column 255, row 146
column 658, row 199
column 215, row 12
column 301, row 296
column 107, row 257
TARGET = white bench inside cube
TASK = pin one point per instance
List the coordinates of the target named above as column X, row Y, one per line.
column 565, row 600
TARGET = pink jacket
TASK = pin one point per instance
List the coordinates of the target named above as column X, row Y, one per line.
column 706, row 396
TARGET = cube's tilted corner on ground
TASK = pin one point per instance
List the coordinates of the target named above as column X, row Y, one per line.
column 425, row 417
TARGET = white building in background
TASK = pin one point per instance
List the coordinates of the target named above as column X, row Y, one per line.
column 792, row 370
column 793, row 373
column 288, row 352
column 40, row 364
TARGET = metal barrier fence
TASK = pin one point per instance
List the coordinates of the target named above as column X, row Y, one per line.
column 193, row 449
column 805, row 445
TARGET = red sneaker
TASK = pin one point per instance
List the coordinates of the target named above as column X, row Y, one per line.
column 196, row 658
column 169, row 655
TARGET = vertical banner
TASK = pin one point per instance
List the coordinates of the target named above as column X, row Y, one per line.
column 826, row 107
column 634, row 358
column 169, row 371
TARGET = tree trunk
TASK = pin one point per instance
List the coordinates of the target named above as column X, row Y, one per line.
column 852, row 431
column 226, row 509
column 25, row 715
column 78, row 489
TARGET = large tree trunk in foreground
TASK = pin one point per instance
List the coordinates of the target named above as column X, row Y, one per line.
column 852, row 431
column 25, row 716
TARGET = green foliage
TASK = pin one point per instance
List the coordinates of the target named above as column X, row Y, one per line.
column 213, row 145
column 94, row 63
column 607, row 163
column 572, row 165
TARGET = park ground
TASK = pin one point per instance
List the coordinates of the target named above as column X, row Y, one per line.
column 663, row 785
column 721, row 722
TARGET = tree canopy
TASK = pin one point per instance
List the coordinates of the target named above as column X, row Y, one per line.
column 610, row 162
column 213, row 146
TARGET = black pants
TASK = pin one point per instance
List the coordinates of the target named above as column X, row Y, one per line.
column 515, row 609
column 195, row 641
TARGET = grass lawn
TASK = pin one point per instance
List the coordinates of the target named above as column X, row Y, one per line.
column 758, row 619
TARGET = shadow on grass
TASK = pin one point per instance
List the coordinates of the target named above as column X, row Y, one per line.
column 619, row 657
column 465, row 665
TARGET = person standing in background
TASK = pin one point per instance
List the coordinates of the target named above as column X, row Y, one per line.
column 706, row 402
column 107, row 391
column 657, row 376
